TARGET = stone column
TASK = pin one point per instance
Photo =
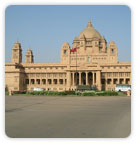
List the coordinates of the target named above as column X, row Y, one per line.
column 58, row 81
column 119, row 81
column 111, row 80
column 73, row 78
column 68, row 80
column 79, row 78
column 98, row 80
column 86, row 78
column 124, row 80
column 46, row 81
column 52, row 81
column 29, row 81
column 106, row 82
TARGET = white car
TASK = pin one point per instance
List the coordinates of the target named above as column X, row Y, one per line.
column 38, row 89
column 121, row 87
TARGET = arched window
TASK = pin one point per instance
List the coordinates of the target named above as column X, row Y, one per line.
column 112, row 51
column 65, row 51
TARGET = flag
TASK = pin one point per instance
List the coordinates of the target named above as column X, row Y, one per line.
column 73, row 50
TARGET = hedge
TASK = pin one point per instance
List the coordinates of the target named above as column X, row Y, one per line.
column 70, row 92
column 111, row 93
column 89, row 93
column 100, row 93
column 53, row 93
column 107, row 93
column 65, row 93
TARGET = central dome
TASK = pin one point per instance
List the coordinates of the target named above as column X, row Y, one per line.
column 90, row 32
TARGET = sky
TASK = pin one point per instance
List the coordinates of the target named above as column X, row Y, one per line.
column 44, row 28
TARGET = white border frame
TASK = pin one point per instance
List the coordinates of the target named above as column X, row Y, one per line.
column 3, row 5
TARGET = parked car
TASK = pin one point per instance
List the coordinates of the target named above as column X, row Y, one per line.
column 38, row 89
column 122, row 87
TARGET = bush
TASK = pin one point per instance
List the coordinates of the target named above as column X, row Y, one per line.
column 52, row 93
column 45, row 93
column 78, row 93
column 72, row 92
column 111, row 93
column 100, row 93
column 107, row 93
column 88, row 93
column 56, row 93
column 18, row 92
column 36, row 92
column 42, row 93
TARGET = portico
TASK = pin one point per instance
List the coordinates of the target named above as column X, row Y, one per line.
column 85, row 78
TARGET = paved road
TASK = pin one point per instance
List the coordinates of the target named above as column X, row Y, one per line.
column 68, row 117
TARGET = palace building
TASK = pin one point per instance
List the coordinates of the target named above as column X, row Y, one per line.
column 91, row 61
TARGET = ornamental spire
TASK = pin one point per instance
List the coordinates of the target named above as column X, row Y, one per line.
column 89, row 23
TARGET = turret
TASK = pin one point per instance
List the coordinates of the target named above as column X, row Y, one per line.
column 16, row 53
column 65, row 53
column 29, row 58
column 112, row 52
column 103, row 45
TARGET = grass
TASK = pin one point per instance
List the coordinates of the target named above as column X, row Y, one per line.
column 121, row 94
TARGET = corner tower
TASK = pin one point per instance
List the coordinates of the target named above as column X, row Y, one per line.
column 29, row 58
column 65, row 53
column 112, row 52
column 16, row 53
